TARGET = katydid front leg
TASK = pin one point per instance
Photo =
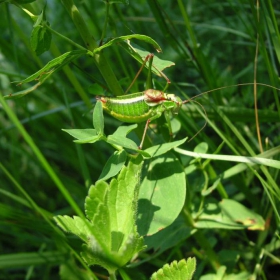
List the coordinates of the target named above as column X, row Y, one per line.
column 146, row 128
column 167, row 117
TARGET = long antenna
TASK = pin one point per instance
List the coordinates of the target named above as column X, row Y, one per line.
column 230, row 86
column 224, row 87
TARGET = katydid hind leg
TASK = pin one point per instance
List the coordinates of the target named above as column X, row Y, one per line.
column 144, row 134
column 148, row 57
column 156, row 116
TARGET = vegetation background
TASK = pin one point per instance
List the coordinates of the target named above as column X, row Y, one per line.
column 213, row 44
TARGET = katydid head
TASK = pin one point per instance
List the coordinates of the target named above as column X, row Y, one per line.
column 154, row 97
column 177, row 103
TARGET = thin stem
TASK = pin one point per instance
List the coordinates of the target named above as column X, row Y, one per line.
column 255, row 86
column 65, row 38
column 106, row 21
column 99, row 59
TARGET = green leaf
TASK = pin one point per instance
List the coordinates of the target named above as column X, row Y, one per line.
column 119, row 138
column 163, row 148
column 117, row 227
column 218, row 276
column 81, row 134
column 87, row 135
column 113, row 165
column 144, row 38
column 244, row 275
column 221, row 215
column 95, row 89
column 91, row 140
column 124, row 130
column 122, row 141
column 40, row 40
column 96, row 196
column 140, row 54
column 182, row 270
column 74, row 225
column 98, row 118
column 110, row 237
column 168, row 237
column 41, row 37
column 162, row 194
column 201, row 148
column 53, row 66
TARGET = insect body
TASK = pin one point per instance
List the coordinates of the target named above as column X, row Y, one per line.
column 142, row 106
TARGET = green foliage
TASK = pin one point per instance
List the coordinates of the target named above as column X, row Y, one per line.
column 182, row 270
column 109, row 233
column 41, row 37
column 215, row 198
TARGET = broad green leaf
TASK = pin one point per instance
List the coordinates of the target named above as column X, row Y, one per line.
column 98, row 118
column 201, row 148
column 87, row 135
column 168, row 237
column 124, row 130
column 218, row 276
column 90, row 140
column 40, row 40
column 95, row 89
column 229, row 214
column 96, row 196
column 113, row 165
column 140, row 54
column 110, row 237
column 119, row 138
column 163, row 148
column 122, row 141
column 122, row 199
column 162, row 194
column 182, row 270
column 53, row 66
column 41, row 37
column 81, row 134
column 242, row 214
column 118, row 227
column 244, row 275
column 140, row 37
column 74, row 225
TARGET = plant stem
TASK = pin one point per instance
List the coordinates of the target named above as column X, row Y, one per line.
column 99, row 59
column 106, row 21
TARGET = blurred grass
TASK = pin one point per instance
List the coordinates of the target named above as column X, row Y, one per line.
column 213, row 44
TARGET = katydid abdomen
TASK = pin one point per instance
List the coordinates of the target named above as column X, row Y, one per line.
column 128, row 108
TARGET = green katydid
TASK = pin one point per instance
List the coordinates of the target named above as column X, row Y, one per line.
column 151, row 104
column 143, row 106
